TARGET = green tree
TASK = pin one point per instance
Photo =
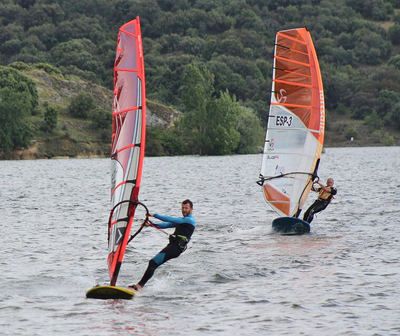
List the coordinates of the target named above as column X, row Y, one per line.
column 78, row 52
column 81, row 106
column 46, row 33
column 393, row 119
column 101, row 119
column 50, row 118
column 160, row 142
column 80, row 27
column 16, row 81
column 10, row 12
column 18, row 100
column 387, row 100
column 370, row 47
column 212, row 123
column 373, row 121
column 251, row 132
column 15, row 131
column 374, row 9
column 221, row 136
column 395, row 61
column 196, row 94
column 11, row 47
column 394, row 33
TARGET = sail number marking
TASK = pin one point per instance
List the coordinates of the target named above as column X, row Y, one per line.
column 283, row 120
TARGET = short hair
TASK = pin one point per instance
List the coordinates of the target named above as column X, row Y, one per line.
column 188, row 201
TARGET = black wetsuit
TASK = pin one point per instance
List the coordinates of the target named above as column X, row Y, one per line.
column 319, row 205
column 184, row 228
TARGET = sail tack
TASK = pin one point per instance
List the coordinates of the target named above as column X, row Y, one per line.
column 296, row 123
column 128, row 140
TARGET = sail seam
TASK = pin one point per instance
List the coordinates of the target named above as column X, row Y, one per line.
column 292, row 61
column 292, row 50
column 293, row 72
column 292, row 83
column 292, row 38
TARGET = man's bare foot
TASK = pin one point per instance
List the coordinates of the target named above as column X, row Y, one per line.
column 136, row 287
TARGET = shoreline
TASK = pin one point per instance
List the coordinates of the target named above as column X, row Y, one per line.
column 28, row 154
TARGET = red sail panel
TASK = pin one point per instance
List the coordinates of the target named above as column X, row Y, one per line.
column 128, row 140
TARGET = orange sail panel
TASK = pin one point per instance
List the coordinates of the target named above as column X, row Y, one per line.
column 296, row 122
column 128, row 140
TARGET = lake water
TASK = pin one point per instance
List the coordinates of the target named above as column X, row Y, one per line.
column 235, row 278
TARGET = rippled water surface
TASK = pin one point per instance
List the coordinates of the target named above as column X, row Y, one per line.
column 236, row 278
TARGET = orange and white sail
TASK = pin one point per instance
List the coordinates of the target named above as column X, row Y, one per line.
column 296, row 123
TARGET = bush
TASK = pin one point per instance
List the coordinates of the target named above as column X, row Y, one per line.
column 394, row 33
column 81, row 106
column 18, row 100
column 351, row 132
column 373, row 120
column 160, row 142
column 15, row 131
column 48, row 68
column 11, row 47
column 50, row 118
column 20, row 66
column 393, row 119
column 395, row 61
column 388, row 140
column 105, row 136
column 17, row 82
column 78, row 52
column 101, row 119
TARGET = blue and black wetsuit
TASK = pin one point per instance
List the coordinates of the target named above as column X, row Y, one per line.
column 184, row 228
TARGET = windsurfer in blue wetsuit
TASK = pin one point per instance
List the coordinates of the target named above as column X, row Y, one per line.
column 184, row 228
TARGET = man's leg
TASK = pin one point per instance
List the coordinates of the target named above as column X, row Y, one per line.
column 316, row 207
column 309, row 215
column 169, row 252
column 320, row 206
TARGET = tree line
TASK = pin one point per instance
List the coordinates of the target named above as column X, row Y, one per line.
column 357, row 42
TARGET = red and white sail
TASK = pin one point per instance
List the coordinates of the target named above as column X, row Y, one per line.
column 128, row 140
column 295, row 133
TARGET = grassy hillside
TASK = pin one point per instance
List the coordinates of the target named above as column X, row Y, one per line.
column 75, row 137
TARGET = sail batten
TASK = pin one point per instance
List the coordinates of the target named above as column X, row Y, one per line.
column 292, row 83
column 292, row 61
column 296, row 122
column 292, row 38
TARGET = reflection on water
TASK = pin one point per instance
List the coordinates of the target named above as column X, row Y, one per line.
column 236, row 276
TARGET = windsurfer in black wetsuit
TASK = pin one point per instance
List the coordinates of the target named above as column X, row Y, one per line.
column 184, row 228
column 325, row 196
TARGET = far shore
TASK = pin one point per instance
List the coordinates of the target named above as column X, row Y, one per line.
column 28, row 154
